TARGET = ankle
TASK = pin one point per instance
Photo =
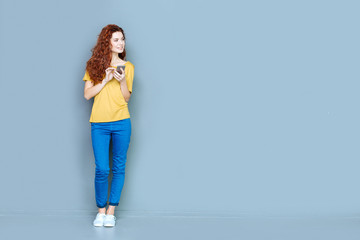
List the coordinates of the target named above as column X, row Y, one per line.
column 111, row 210
column 102, row 210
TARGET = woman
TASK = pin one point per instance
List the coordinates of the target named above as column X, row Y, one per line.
column 110, row 117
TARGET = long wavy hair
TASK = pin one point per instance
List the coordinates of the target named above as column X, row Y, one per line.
column 101, row 53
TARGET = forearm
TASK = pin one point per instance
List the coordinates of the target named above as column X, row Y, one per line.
column 93, row 91
column 124, row 90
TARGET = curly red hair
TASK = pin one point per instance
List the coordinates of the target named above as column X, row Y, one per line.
column 101, row 53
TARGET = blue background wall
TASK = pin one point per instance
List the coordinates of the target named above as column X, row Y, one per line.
column 241, row 107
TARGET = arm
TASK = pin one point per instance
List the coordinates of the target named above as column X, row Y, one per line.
column 125, row 91
column 90, row 90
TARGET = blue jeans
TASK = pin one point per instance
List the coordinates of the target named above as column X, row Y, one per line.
column 101, row 133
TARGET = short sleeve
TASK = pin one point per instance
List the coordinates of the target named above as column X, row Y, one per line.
column 129, row 76
column 86, row 76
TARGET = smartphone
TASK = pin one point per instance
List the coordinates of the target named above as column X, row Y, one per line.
column 118, row 68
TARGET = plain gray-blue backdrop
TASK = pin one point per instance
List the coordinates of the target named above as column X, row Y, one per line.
column 238, row 107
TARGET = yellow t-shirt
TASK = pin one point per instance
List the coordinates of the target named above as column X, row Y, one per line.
column 109, row 104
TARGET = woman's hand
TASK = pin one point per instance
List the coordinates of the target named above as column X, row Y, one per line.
column 109, row 74
column 118, row 76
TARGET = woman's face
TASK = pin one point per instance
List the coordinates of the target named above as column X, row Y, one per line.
column 117, row 42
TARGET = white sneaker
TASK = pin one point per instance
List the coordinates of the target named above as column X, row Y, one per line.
column 109, row 220
column 99, row 220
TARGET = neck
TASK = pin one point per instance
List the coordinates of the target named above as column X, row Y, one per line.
column 115, row 57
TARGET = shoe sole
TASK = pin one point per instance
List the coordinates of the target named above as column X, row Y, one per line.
column 108, row 225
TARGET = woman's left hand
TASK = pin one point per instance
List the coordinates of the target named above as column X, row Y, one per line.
column 118, row 76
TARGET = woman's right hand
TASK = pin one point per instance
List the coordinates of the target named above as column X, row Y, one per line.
column 109, row 74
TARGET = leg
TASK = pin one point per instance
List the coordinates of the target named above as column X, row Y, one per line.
column 102, row 210
column 100, row 135
column 121, row 132
column 110, row 210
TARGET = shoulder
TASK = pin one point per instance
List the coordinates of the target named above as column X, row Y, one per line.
column 129, row 64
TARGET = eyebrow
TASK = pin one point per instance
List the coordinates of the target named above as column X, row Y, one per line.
column 118, row 38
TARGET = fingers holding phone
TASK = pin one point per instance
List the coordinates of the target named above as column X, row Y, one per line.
column 119, row 74
column 120, row 69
